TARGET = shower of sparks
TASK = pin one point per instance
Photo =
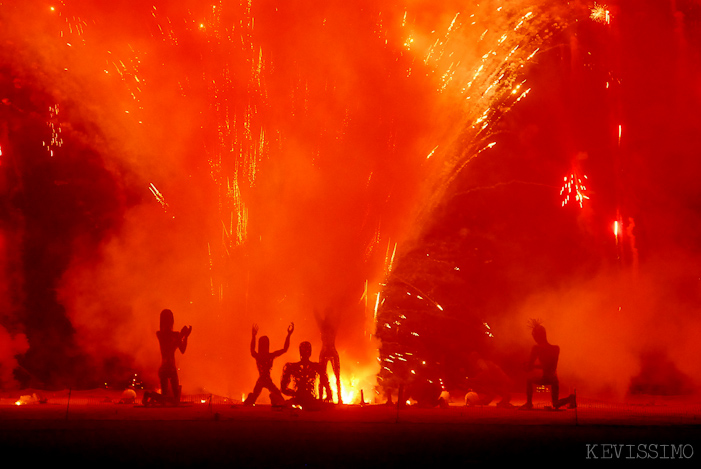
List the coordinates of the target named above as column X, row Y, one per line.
column 487, row 78
column 56, row 140
column 484, row 78
column 600, row 14
column 233, row 70
column 573, row 185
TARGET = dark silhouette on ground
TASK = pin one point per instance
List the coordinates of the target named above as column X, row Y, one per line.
column 169, row 341
column 264, row 362
column 329, row 354
column 298, row 380
column 542, row 369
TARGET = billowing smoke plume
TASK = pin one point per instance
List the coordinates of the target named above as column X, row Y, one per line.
column 257, row 162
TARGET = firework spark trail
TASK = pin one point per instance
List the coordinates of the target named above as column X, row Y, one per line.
column 485, row 78
column 478, row 61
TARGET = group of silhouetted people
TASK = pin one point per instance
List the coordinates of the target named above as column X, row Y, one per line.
column 299, row 378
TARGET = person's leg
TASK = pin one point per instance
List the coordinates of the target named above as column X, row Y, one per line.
column 163, row 377
column 276, row 398
column 529, row 395
column 253, row 397
column 554, row 392
column 570, row 401
column 175, row 384
column 336, row 364
column 325, row 389
column 529, row 392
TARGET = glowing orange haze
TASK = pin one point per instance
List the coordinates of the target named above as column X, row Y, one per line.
column 286, row 150
column 282, row 152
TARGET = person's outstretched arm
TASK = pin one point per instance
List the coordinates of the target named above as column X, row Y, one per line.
column 286, row 347
column 254, row 331
column 184, row 334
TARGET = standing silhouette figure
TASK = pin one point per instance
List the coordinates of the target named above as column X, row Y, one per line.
column 329, row 354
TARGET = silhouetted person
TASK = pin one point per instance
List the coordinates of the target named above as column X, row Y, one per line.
column 264, row 362
column 169, row 341
column 542, row 368
column 302, row 375
column 329, row 354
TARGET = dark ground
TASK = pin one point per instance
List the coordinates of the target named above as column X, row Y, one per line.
column 94, row 433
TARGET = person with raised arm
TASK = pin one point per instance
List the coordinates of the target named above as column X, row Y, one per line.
column 264, row 361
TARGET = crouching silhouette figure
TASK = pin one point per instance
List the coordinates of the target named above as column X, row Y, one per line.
column 299, row 378
column 264, row 361
column 542, row 369
column 169, row 341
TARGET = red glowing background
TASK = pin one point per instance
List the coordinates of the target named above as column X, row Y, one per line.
column 435, row 174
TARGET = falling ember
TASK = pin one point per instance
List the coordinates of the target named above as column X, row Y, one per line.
column 573, row 185
column 620, row 133
column 56, row 140
column 159, row 197
column 377, row 305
